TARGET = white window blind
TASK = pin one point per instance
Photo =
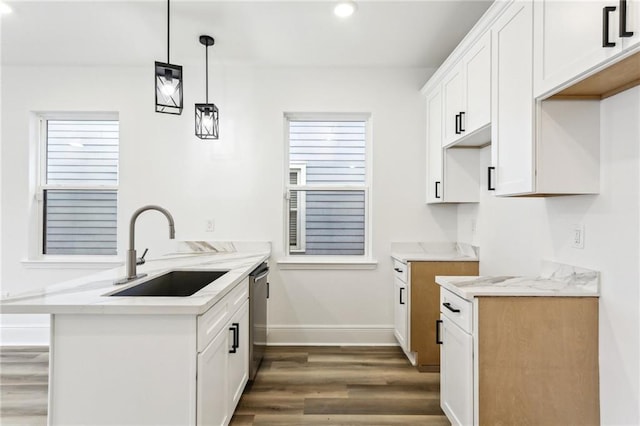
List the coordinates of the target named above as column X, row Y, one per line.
column 334, row 193
column 80, row 187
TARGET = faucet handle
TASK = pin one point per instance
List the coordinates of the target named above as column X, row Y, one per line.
column 140, row 260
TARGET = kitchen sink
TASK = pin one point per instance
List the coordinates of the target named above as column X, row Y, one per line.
column 173, row 284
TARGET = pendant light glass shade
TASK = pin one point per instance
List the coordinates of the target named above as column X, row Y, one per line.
column 168, row 88
column 206, row 113
column 168, row 81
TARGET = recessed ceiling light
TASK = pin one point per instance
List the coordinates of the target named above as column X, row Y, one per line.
column 5, row 9
column 344, row 9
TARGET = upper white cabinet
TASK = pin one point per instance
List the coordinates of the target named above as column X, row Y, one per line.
column 466, row 90
column 572, row 38
column 538, row 148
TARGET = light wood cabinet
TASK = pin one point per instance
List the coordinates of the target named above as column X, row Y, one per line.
column 515, row 360
column 417, row 308
column 572, row 38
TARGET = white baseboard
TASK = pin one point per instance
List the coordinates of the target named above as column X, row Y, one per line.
column 24, row 336
column 330, row 335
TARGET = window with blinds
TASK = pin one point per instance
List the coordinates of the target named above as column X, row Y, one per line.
column 327, row 208
column 79, row 188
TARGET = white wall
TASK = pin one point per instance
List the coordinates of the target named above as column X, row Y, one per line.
column 237, row 180
column 515, row 234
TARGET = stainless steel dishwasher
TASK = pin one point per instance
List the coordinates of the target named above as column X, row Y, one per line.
column 258, row 295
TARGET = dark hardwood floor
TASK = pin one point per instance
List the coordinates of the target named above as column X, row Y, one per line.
column 294, row 386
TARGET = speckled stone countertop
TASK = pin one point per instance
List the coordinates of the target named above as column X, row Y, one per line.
column 555, row 280
column 90, row 294
column 434, row 252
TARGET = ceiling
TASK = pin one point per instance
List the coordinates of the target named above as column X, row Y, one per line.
column 267, row 33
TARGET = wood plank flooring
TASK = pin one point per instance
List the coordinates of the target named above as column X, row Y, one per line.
column 294, row 386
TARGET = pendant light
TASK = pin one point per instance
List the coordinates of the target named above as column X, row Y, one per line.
column 168, row 79
column 206, row 113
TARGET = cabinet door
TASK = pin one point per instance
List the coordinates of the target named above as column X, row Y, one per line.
column 513, row 105
column 632, row 18
column 456, row 373
column 434, row 146
column 452, row 92
column 238, row 370
column 569, row 39
column 477, row 78
column 401, row 313
column 212, row 400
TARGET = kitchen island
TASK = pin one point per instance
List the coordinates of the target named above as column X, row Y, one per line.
column 148, row 360
column 520, row 349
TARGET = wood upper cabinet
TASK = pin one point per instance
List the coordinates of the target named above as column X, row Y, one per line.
column 466, row 92
column 574, row 37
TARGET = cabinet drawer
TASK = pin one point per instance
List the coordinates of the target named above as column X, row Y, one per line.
column 400, row 270
column 211, row 322
column 457, row 309
column 238, row 296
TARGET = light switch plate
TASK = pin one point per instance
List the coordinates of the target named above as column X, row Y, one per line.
column 577, row 236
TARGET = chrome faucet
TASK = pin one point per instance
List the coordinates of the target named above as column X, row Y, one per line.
column 132, row 260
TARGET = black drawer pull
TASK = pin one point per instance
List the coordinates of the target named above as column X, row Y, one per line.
column 623, row 20
column 438, row 338
column 461, row 115
column 458, row 123
column 605, row 26
column 448, row 306
column 397, row 270
column 437, row 184
column 401, row 290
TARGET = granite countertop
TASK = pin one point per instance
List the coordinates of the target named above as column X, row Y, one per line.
column 555, row 280
column 90, row 294
column 434, row 252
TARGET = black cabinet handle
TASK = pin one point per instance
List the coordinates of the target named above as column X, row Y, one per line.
column 457, row 124
column 623, row 20
column 267, row 290
column 437, row 183
column 461, row 115
column 397, row 270
column 438, row 338
column 490, row 186
column 401, row 290
column 235, row 329
column 605, row 26
column 448, row 306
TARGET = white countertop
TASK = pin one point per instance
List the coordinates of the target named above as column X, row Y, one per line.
column 90, row 294
column 434, row 252
column 555, row 280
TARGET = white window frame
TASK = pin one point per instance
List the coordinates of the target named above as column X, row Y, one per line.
column 301, row 209
column 37, row 258
column 302, row 261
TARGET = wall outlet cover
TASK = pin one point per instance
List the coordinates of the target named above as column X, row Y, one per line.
column 577, row 236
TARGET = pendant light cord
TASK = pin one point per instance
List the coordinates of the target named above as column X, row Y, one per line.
column 168, row 30
column 206, row 71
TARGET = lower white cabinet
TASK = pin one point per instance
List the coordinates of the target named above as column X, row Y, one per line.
column 223, row 371
column 456, row 373
column 401, row 314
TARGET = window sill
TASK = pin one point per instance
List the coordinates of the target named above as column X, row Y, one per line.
column 80, row 262
column 326, row 263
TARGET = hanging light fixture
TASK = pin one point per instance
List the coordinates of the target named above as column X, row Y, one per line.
column 168, row 81
column 206, row 113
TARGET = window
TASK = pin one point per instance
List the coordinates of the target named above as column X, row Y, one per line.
column 78, row 184
column 327, row 185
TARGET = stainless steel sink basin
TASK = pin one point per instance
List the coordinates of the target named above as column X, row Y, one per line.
column 173, row 284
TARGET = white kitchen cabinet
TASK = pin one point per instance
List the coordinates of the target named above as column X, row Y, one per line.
column 466, row 92
column 571, row 38
column 238, row 363
column 548, row 147
column 452, row 173
column 456, row 373
column 401, row 314
column 212, row 381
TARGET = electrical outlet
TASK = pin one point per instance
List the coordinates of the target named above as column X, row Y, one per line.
column 210, row 226
column 577, row 236
column 473, row 226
